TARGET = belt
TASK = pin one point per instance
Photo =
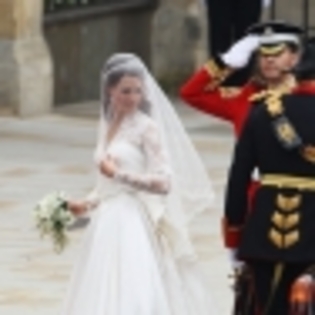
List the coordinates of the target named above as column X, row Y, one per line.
column 287, row 181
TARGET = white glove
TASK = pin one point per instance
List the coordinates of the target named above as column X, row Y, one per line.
column 239, row 54
column 235, row 262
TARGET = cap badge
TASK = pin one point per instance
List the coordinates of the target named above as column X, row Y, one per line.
column 268, row 31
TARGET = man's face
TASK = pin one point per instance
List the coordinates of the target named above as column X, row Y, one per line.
column 273, row 67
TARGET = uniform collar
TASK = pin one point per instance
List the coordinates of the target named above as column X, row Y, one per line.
column 288, row 86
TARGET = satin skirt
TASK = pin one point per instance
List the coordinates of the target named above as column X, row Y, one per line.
column 126, row 267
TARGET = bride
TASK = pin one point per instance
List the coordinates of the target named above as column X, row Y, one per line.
column 137, row 257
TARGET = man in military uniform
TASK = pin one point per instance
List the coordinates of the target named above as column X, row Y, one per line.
column 276, row 240
column 205, row 92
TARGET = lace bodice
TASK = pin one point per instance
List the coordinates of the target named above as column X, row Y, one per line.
column 140, row 156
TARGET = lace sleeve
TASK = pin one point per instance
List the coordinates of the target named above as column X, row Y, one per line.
column 157, row 177
column 93, row 198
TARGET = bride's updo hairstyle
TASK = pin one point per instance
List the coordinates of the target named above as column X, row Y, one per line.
column 113, row 73
column 117, row 60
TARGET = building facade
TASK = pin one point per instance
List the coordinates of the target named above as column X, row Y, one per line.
column 52, row 51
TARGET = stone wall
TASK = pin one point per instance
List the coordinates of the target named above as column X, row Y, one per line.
column 25, row 65
column 179, row 36
column 169, row 39
column 178, row 41
column 80, row 46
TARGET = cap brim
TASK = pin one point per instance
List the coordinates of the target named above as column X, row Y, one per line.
column 278, row 27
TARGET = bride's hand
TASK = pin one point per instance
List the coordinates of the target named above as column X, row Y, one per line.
column 77, row 207
column 108, row 166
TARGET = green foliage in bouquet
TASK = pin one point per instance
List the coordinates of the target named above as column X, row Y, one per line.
column 52, row 217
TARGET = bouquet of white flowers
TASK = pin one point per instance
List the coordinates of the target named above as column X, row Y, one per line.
column 52, row 217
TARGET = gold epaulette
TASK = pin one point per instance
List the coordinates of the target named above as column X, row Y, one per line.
column 272, row 99
column 275, row 93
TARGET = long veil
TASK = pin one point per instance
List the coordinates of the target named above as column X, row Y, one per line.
column 192, row 191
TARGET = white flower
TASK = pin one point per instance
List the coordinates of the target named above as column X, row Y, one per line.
column 52, row 218
column 47, row 200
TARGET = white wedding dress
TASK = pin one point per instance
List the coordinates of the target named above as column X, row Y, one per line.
column 128, row 263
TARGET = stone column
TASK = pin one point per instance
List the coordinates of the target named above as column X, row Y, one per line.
column 178, row 43
column 25, row 63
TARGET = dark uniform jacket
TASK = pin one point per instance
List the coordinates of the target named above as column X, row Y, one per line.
column 281, row 226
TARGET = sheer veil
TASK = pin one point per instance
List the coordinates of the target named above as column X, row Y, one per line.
column 191, row 191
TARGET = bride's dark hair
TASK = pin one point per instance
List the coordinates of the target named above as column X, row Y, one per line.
column 114, row 76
